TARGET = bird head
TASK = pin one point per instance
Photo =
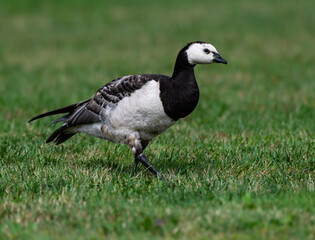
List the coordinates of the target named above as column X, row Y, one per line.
column 202, row 53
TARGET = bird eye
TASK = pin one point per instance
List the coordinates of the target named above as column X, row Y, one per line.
column 206, row 50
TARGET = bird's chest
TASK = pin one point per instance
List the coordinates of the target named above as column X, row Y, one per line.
column 142, row 112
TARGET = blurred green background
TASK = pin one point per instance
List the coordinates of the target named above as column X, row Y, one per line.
column 242, row 163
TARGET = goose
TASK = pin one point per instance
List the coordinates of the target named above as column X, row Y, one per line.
column 134, row 109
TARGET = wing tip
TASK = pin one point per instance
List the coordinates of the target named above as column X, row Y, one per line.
column 32, row 119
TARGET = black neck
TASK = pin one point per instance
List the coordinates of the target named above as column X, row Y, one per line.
column 180, row 93
column 182, row 64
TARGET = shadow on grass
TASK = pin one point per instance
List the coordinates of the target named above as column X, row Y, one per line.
column 125, row 165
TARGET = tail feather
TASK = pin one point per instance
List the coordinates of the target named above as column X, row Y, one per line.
column 60, row 135
column 56, row 133
column 63, row 137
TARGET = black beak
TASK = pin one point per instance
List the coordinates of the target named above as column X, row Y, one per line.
column 219, row 59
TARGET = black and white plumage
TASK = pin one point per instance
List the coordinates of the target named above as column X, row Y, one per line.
column 133, row 109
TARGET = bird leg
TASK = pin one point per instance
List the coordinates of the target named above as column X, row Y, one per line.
column 135, row 145
column 135, row 166
column 142, row 158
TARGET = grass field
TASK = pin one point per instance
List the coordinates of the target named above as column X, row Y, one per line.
column 242, row 164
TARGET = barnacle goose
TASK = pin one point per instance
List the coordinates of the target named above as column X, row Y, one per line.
column 134, row 109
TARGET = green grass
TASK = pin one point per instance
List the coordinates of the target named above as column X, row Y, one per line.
column 242, row 164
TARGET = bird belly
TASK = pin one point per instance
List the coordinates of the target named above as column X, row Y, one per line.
column 101, row 130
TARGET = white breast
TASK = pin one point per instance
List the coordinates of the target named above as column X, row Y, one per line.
column 142, row 111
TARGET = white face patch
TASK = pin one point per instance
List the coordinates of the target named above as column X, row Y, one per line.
column 201, row 53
